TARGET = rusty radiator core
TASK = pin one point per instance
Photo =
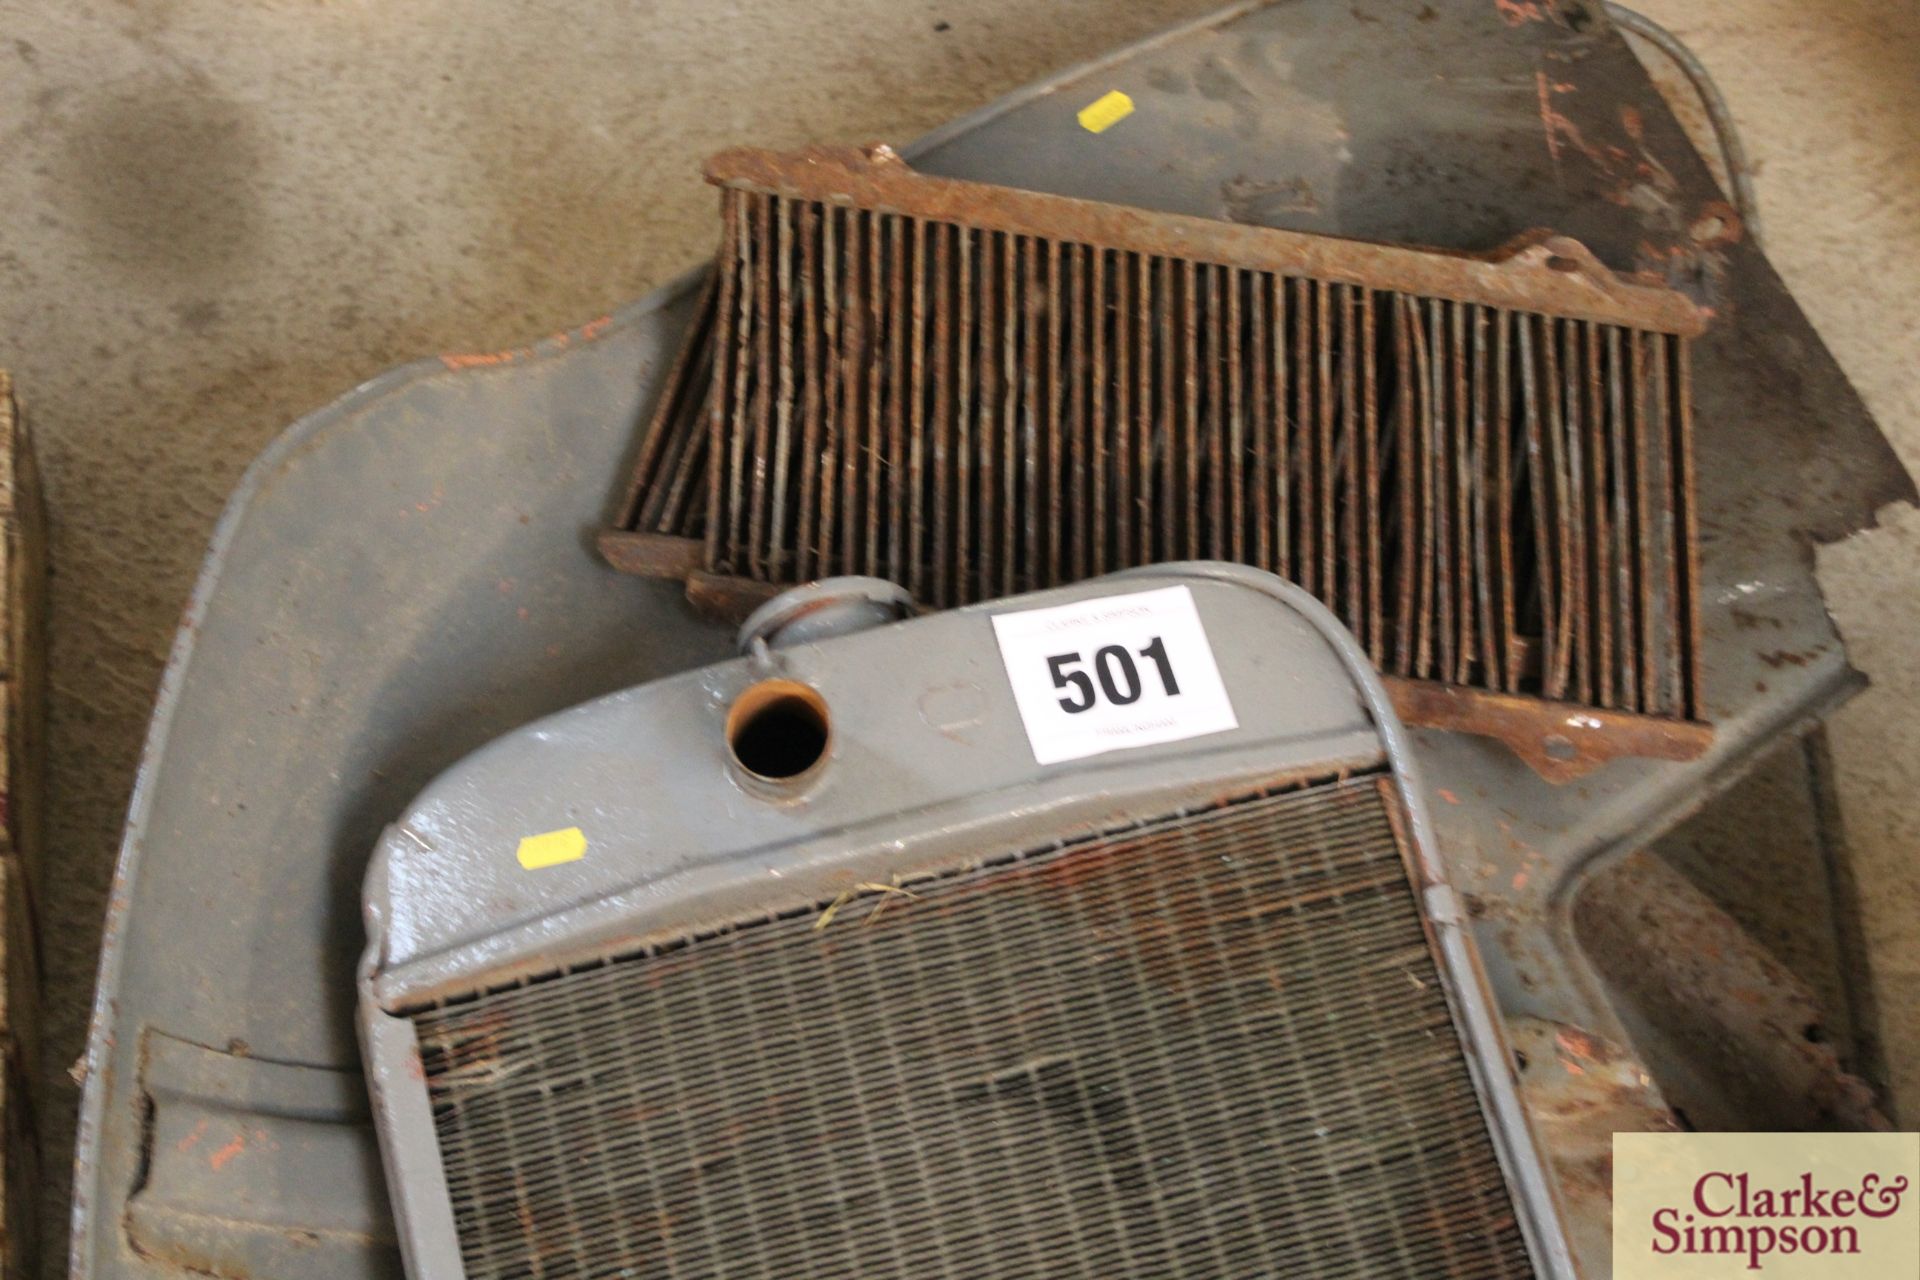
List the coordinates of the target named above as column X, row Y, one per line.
column 1213, row 1044
column 1483, row 465
column 666, row 498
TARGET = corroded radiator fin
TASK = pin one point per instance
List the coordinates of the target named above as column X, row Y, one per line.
column 1482, row 464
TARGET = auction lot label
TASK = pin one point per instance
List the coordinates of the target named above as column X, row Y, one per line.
column 1113, row 672
column 1786, row 1206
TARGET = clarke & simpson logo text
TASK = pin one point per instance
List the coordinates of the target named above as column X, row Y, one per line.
column 1689, row 1206
column 1727, row 1214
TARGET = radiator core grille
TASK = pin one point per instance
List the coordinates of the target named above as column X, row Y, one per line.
column 1212, row 1045
column 1483, row 466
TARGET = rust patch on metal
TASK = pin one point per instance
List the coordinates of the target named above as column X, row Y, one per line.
column 1516, row 276
column 1561, row 741
column 651, row 555
column 588, row 332
column 727, row 599
column 1756, row 1052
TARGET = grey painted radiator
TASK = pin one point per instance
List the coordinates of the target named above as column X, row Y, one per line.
column 806, row 965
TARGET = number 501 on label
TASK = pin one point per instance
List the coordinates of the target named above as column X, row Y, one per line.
column 1113, row 672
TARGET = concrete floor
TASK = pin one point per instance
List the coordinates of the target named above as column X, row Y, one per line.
column 222, row 214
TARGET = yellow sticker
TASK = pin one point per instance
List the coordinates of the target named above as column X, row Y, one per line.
column 1106, row 111
column 551, row 848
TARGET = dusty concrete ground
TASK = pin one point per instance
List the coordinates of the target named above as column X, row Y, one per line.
column 221, row 214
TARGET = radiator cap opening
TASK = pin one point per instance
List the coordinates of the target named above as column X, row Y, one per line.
column 778, row 732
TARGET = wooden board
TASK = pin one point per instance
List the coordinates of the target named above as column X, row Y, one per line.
column 22, row 750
